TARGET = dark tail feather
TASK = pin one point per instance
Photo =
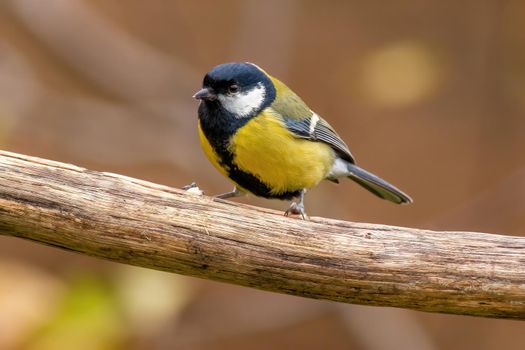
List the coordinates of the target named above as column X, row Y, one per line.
column 377, row 186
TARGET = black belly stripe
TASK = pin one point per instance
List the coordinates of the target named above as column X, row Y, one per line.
column 219, row 126
column 254, row 185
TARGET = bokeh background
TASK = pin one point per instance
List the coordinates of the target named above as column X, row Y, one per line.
column 428, row 94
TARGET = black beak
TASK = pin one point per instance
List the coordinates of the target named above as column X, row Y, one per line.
column 205, row 94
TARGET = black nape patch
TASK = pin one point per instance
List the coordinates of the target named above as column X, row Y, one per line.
column 243, row 74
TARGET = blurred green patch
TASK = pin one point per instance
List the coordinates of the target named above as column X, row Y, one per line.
column 103, row 312
column 87, row 318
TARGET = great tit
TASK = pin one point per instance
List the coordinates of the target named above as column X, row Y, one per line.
column 267, row 141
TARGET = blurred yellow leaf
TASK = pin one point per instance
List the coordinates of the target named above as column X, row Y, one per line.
column 150, row 298
column 399, row 74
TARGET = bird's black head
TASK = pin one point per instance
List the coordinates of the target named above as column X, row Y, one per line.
column 241, row 88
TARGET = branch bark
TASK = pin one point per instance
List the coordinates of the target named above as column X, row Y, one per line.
column 140, row 223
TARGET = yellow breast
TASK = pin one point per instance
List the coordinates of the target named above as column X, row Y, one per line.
column 266, row 149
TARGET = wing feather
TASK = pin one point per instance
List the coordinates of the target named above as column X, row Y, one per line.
column 321, row 131
column 305, row 124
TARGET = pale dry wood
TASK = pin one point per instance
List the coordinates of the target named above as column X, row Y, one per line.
column 144, row 224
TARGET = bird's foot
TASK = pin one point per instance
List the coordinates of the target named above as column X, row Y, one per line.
column 296, row 209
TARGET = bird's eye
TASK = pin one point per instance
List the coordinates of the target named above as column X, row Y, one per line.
column 233, row 89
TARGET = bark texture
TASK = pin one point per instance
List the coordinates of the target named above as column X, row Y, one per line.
column 140, row 223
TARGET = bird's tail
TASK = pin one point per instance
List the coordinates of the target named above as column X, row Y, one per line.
column 376, row 185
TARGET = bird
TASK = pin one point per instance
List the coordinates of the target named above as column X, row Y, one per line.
column 262, row 136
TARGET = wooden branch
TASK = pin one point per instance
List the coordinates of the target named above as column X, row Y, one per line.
column 144, row 224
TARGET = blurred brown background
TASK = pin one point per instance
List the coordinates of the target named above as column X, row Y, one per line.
column 428, row 94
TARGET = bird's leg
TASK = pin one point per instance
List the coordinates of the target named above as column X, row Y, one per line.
column 298, row 207
column 231, row 194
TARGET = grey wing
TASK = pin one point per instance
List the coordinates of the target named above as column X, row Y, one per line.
column 316, row 128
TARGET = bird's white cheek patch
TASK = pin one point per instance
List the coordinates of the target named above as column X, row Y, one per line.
column 243, row 104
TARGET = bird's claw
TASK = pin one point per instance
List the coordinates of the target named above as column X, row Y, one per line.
column 296, row 209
